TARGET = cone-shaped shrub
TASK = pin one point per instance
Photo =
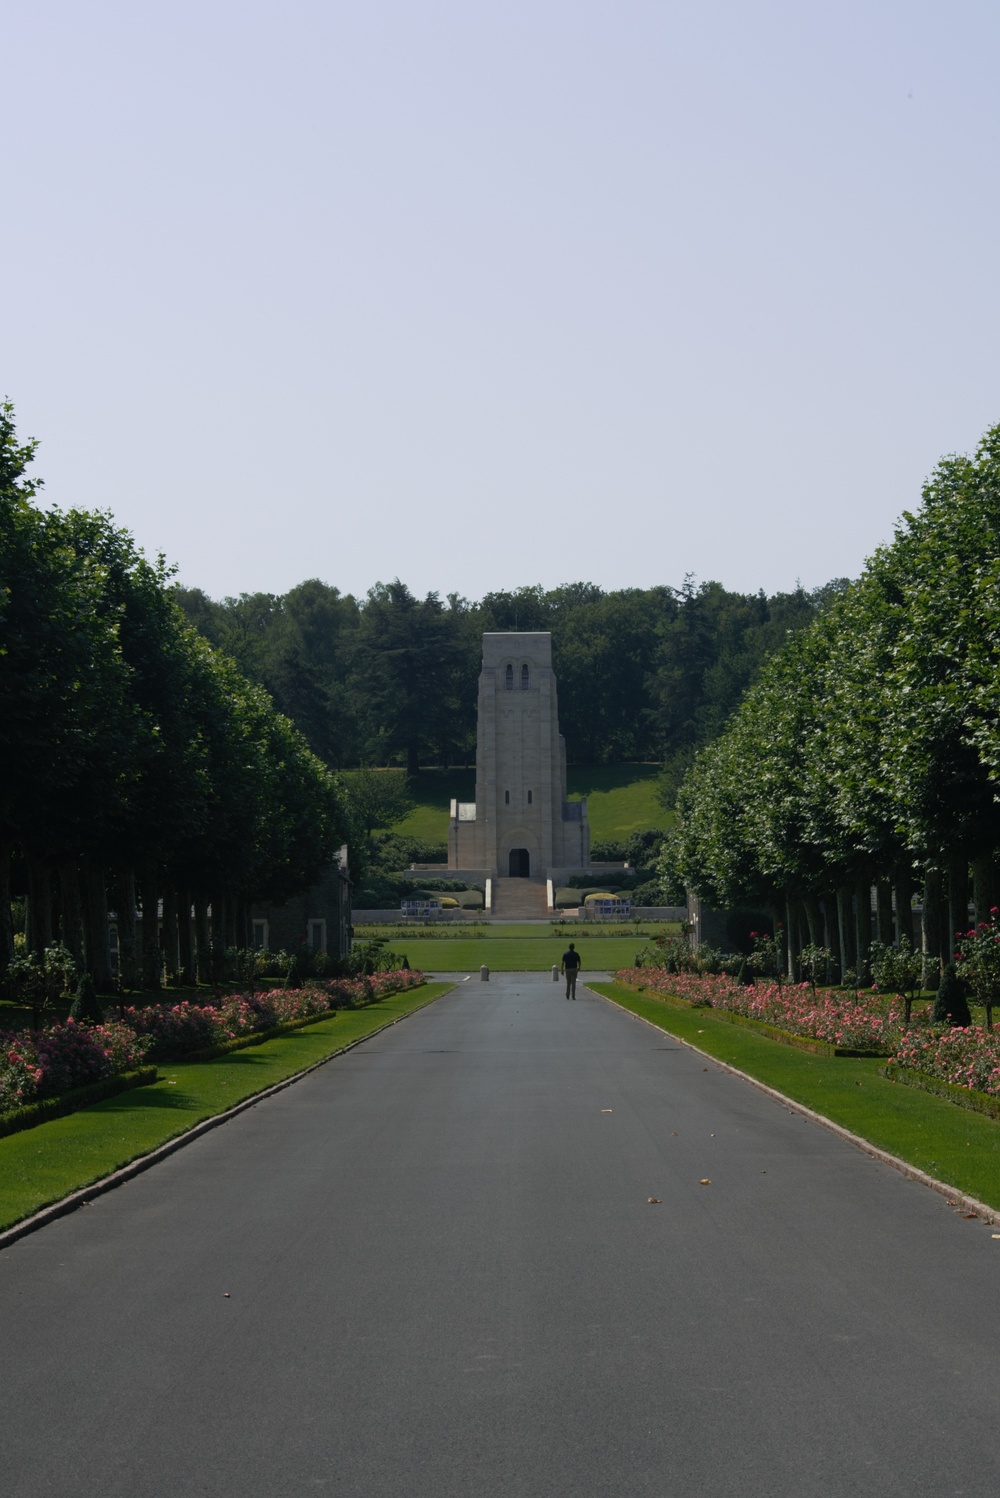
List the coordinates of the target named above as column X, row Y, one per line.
column 293, row 978
column 86, row 1008
column 951, row 1006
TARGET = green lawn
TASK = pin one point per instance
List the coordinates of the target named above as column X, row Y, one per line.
column 517, row 954
column 621, row 800
column 946, row 1141
column 44, row 1164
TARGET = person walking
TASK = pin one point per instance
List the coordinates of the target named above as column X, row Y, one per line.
column 571, row 966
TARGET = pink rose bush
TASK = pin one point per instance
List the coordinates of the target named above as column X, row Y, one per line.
column 965, row 1057
column 868, row 1023
column 43, row 1063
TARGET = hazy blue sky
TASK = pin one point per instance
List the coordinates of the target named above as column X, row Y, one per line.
column 480, row 294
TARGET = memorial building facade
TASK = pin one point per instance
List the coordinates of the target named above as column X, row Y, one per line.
column 521, row 823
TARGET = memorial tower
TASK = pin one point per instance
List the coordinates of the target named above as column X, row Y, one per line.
column 520, row 823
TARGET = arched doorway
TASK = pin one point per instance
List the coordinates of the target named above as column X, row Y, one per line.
column 520, row 863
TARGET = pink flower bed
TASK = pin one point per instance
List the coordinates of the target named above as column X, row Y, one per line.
column 42, row 1063
column 870, row 1024
column 968, row 1057
column 182, row 1028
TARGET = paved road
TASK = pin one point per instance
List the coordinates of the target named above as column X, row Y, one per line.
column 445, row 1281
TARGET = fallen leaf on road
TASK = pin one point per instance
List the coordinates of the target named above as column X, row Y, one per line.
column 704, row 1181
column 704, row 1068
column 607, row 1110
column 970, row 1216
column 654, row 1201
column 226, row 1295
column 995, row 1235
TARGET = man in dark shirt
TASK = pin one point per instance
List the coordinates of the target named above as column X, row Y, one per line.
column 571, row 966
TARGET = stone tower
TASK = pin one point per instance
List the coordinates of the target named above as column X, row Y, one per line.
column 520, row 822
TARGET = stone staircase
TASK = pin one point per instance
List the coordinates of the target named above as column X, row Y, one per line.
column 520, row 900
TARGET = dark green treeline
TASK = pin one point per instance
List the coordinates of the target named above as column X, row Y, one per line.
column 644, row 674
column 138, row 768
column 867, row 754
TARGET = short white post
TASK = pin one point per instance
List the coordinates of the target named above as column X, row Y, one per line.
column 555, row 972
column 484, row 974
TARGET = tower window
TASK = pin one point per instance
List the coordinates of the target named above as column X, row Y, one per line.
column 506, row 798
column 529, row 798
column 524, row 678
column 509, row 678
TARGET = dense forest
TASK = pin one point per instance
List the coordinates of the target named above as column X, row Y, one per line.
column 390, row 679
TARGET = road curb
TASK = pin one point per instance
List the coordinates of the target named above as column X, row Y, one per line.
column 86, row 1194
column 955, row 1197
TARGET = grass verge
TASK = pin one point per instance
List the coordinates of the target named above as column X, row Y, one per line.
column 48, row 1162
column 955, row 1146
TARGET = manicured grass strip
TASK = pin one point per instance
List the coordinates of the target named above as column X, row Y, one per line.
column 964, row 1097
column 948, row 1143
column 49, row 1162
column 400, row 935
column 520, row 955
column 620, row 800
column 33, row 1114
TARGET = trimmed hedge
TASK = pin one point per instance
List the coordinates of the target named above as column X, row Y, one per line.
column 965, row 1097
column 70, row 1102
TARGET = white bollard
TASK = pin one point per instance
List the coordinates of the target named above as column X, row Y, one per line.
column 555, row 972
column 484, row 974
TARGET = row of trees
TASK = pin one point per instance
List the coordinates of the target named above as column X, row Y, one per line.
column 137, row 764
column 391, row 679
column 867, row 754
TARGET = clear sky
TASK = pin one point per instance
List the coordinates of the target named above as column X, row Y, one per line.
column 488, row 292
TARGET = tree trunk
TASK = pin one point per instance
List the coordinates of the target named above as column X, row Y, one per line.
column 95, row 928
column 846, row 933
column 169, row 943
column 814, row 919
column 185, row 933
column 883, row 911
column 152, row 953
column 219, row 905
column 958, row 901
column 863, row 926
column 984, row 886
column 39, row 922
column 903, row 894
column 779, row 936
column 244, row 935
column 930, row 930
column 203, row 945
column 71, row 912
column 128, row 966
column 793, row 938
column 6, row 922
